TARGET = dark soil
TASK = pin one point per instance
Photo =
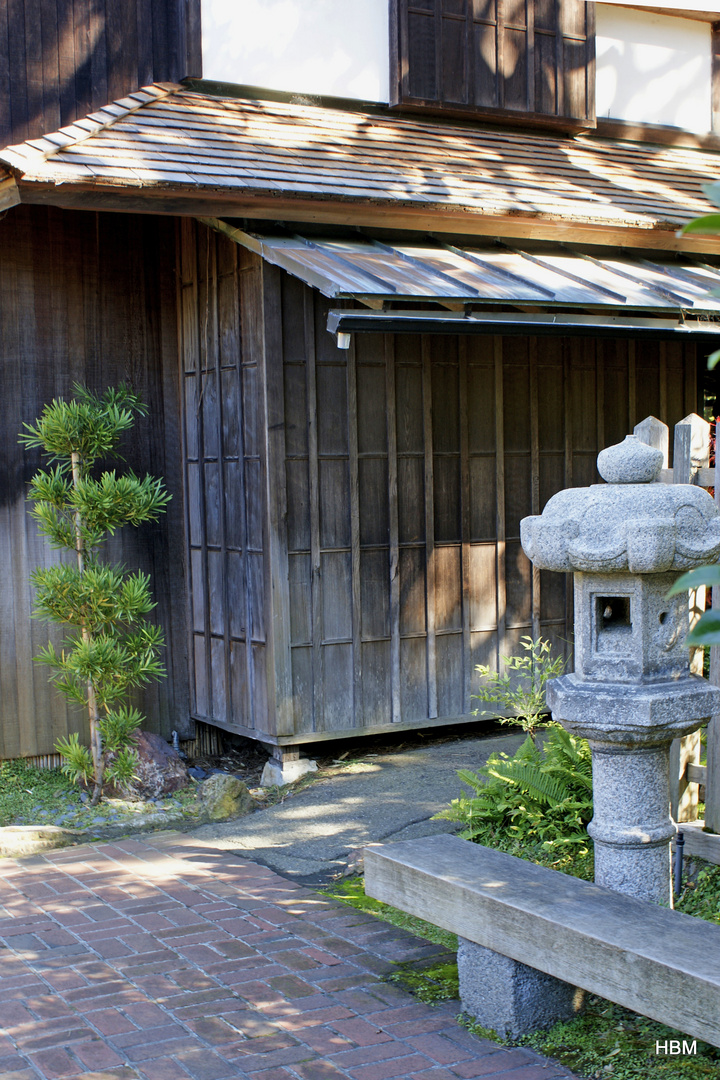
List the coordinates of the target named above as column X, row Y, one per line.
column 246, row 758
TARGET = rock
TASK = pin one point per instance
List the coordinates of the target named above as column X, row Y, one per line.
column 196, row 772
column 355, row 863
column 276, row 775
column 224, row 796
column 160, row 770
column 18, row 840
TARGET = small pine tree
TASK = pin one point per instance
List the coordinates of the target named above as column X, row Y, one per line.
column 110, row 647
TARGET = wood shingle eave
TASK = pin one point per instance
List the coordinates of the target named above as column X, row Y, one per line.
column 169, row 150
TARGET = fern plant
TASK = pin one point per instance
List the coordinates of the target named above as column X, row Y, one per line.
column 519, row 689
column 110, row 647
column 537, row 803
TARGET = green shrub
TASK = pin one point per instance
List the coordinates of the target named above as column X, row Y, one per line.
column 520, row 688
column 31, row 794
column 701, row 897
column 536, row 804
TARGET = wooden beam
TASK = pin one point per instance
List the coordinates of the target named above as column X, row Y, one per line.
column 500, row 499
column 696, row 774
column 437, row 218
column 655, row 433
column 356, row 605
column 691, row 435
column 684, row 755
column 394, row 553
column 9, row 193
column 465, row 519
column 429, row 528
column 535, row 474
column 648, row 958
column 279, row 667
column 318, row 673
column 703, row 845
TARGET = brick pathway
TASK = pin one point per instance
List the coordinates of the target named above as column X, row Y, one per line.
column 162, row 960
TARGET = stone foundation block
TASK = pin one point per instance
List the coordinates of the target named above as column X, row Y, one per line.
column 509, row 997
column 276, row 773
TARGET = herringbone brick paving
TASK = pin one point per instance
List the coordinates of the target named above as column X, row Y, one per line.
column 162, row 960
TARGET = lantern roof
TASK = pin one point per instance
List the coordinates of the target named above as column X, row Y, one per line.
column 630, row 524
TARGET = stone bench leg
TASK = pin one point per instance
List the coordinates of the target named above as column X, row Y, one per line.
column 509, row 997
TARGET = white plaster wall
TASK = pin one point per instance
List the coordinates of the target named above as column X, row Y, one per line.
column 711, row 7
column 653, row 69
column 334, row 47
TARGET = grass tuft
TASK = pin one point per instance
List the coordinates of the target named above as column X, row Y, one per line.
column 609, row 1041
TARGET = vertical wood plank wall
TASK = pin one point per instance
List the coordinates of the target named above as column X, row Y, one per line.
column 224, row 478
column 87, row 298
column 404, row 520
column 396, row 534
column 61, row 59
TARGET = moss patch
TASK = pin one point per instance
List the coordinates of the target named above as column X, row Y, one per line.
column 351, row 890
column 433, row 984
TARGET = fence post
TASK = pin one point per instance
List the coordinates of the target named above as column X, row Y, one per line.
column 712, row 778
column 691, row 452
column 691, row 448
column 653, row 432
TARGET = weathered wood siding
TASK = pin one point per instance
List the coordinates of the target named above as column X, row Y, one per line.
column 405, row 561
column 377, row 555
column 85, row 298
column 61, row 59
column 224, row 477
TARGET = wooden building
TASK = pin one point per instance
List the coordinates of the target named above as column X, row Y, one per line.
column 372, row 342
column 373, row 495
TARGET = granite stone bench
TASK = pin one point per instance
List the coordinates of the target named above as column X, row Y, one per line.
column 532, row 939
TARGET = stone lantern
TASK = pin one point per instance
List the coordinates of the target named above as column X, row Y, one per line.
column 631, row 694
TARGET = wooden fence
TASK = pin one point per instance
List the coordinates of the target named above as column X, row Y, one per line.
column 691, row 465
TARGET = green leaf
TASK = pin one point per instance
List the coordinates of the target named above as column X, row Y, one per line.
column 708, row 223
column 706, row 630
column 703, row 575
column 77, row 760
column 713, row 360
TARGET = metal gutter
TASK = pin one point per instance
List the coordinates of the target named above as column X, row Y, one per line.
column 344, row 323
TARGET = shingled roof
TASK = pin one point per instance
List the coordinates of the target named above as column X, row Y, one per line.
column 231, row 155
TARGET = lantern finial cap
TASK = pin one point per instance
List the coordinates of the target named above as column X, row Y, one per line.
column 630, row 462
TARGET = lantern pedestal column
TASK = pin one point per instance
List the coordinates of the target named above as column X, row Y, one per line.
column 631, row 825
column 630, row 728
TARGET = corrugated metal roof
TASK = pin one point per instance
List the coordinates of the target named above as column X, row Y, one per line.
column 364, row 269
column 168, row 138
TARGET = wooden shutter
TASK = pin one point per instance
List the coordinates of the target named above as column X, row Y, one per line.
column 526, row 58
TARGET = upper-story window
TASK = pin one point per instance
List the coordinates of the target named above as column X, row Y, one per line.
column 496, row 57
